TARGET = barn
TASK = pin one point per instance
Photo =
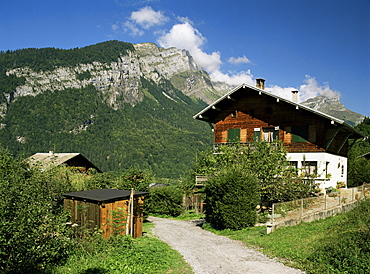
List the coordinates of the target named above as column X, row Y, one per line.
column 111, row 211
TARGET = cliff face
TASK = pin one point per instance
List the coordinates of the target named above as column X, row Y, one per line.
column 119, row 81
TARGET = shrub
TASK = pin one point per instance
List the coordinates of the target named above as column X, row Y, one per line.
column 164, row 201
column 31, row 235
column 232, row 197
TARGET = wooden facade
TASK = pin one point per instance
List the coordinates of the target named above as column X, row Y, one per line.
column 108, row 210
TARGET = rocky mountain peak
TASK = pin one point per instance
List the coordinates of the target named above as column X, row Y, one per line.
column 119, row 81
column 334, row 107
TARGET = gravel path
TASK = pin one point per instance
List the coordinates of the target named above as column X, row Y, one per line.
column 209, row 253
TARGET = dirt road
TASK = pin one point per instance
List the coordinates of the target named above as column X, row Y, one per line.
column 209, row 253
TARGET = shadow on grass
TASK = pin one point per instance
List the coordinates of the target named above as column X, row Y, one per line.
column 95, row 270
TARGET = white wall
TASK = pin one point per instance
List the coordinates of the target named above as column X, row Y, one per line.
column 335, row 165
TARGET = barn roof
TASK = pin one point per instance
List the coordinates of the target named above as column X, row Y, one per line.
column 223, row 106
column 103, row 195
column 51, row 159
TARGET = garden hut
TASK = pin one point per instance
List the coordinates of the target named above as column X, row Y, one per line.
column 111, row 211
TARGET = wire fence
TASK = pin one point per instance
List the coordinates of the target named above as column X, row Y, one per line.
column 303, row 207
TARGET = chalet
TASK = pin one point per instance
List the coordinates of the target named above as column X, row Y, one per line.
column 51, row 159
column 317, row 143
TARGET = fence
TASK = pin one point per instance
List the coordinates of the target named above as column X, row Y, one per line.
column 298, row 209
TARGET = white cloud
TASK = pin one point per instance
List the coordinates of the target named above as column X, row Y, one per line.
column 235, row 79
column 308, row 90
column 313, row 89
column 239, row 60
column 141, row 20
column 146, row 17
column 285, row 93
column 185, row 36
column 129, row 26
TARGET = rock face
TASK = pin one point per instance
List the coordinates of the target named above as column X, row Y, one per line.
column 120, row 81
column 333, row 106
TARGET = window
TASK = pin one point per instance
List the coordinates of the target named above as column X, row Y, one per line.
column 266, row 134
column 299, row 133
column 309, row 167
column 270, row 134
column 233, row 135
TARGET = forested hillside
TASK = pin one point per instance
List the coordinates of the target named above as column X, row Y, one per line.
column 157, row 133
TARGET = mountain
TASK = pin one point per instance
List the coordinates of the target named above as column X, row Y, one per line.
column 332, row 106
column 120, row 105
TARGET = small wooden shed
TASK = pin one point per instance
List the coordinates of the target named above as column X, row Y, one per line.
column 112, row 211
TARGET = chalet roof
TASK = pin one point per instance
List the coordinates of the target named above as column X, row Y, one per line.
column 51, row 159
column 211, row 114
column 103, row 195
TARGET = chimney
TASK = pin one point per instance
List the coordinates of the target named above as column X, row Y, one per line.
column 260, row 83
column 295, row 96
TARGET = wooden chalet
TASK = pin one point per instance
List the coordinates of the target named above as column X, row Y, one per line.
column 316, row 142
column 111, row 211
column 51, row 159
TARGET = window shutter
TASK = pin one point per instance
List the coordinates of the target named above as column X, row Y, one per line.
column 243, row 135
column 233, row 135
column 257, row 134
column 276, row 133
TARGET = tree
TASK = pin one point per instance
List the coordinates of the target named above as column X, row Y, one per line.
column 165, row 200
column 358, row 166
column 231, row 199
column 277, row 180
column 32, row 235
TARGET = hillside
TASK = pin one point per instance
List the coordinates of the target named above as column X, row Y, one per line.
column 119, row 114
column 120, row 105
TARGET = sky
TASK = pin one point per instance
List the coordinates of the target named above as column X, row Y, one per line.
column 318, row 47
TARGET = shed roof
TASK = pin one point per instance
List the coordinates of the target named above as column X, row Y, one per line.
column 103, row 195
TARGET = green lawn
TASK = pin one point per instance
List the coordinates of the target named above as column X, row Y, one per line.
column 125, row 255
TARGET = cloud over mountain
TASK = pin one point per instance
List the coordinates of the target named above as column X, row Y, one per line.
column 182, row 34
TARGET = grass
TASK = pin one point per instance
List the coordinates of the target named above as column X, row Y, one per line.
column 124, row 255
column 312, row 246
column 292, row 245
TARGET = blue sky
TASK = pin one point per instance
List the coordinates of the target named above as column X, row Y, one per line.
column 315, row 46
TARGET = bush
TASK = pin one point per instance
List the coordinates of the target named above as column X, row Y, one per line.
column 164, row 201
column 232, row 197
column 31, row 235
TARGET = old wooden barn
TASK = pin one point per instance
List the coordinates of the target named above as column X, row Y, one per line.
column 112, row 211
